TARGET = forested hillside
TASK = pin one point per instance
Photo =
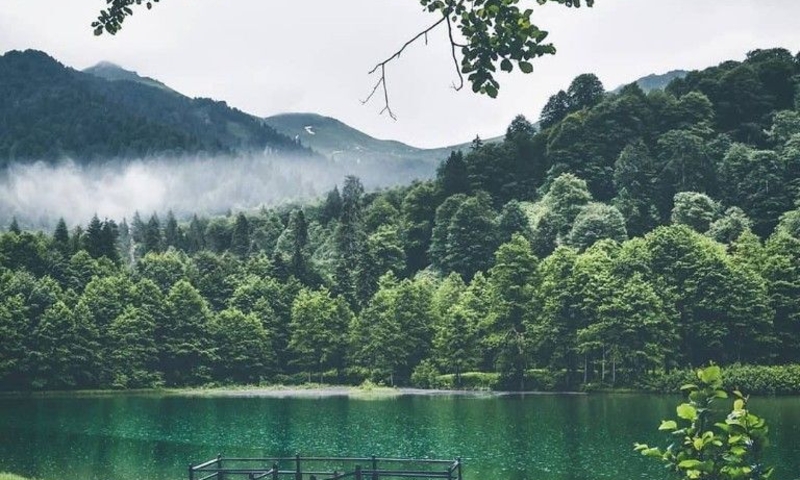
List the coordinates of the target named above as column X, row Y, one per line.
column 633, row 234
column 51, row 112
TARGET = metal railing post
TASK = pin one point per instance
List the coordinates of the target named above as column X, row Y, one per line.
column 459, row 467
column 358, row 472
column 275, row 471
column 220, row 475
column 191, row 472
column 374, row 468
column 298, row 474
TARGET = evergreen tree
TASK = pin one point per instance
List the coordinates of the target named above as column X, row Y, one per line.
column 451, row 175
column 441, row 224
column 240, row 236
column 93, row 239
column 350, row 240
column 152, row 240
column 513, row 281
column 635, row 175
column 172, row 233
column 332, row 208
column 471, row 237
column 61, row 238
column 185, row 348
column 419, row 209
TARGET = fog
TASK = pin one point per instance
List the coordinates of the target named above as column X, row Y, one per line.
column 39, row 194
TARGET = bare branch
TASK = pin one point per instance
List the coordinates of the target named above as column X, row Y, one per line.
column 381, row 83
column 405, row 45
column 455, row 58
column 382, row 66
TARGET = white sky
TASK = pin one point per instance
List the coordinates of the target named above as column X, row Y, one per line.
column 267, row 57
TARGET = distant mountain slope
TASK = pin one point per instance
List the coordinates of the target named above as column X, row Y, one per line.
column 344, row 143
column 656, row 81
column 113, row 72
column 49, row 111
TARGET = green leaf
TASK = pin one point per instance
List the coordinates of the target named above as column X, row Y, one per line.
column 690, row 464
column 686, row 411
column 698, row 443
column 526, row 67
column 668, row 425
column 710, row 374
column 506, row 65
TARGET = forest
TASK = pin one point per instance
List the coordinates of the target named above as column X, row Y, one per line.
column 629, row 235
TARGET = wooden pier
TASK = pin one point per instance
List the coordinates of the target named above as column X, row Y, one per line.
column 325, row 468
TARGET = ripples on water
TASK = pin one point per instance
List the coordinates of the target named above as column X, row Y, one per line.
column 534, row 437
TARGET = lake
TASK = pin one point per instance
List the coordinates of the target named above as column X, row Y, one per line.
column 507, row 437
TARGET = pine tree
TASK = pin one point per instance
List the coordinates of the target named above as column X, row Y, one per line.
column 61, row 238
column 151, row 238
column 240, row 237
column 172, row 233
column 93, row 240
column 14, row 226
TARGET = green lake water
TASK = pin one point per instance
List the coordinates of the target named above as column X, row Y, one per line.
column 511, row 437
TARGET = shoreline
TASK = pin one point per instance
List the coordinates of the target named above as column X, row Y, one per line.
column 282, row 391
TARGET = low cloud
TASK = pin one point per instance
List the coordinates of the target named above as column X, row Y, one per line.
column 40, row 193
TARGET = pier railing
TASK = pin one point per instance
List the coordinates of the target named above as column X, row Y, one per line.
column 325, row 468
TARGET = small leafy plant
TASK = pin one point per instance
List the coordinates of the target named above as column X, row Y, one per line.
column 708, row 447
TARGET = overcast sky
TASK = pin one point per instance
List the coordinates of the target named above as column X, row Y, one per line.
column 267, row 57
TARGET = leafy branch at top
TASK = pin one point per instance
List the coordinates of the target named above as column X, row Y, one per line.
column 485, row 34
column 110, row 20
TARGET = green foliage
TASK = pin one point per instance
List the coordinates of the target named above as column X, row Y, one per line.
column 532, row 280
column 694, row 209
column 708, row 446
column 242, row 346
column 319, row 330
column 596, row 221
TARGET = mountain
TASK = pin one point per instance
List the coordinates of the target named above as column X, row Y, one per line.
column 49, row 111
column 113, row 72
column 656, row 81
column 345, row 144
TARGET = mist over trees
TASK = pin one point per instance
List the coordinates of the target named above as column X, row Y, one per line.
column 638, row 233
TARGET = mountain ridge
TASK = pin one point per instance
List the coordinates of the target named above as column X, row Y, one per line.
column 49, row 111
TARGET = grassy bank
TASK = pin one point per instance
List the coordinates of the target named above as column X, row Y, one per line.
column 750, row 379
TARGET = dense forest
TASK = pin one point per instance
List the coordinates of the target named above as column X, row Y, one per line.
column 631, row 234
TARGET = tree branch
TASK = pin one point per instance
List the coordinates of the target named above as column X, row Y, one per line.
column 382, row 66
column 455, row 58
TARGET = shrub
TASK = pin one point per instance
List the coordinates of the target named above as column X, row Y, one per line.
column 706, row 447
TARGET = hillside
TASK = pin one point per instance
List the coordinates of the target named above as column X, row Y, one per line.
column 656, row 81
column 113, row 72
column 49, row 111
column 347, row 145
